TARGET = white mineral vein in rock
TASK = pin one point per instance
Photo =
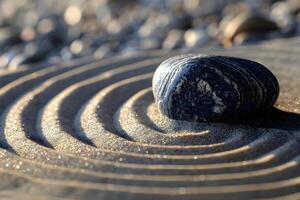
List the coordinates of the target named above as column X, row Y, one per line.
column 205, row 88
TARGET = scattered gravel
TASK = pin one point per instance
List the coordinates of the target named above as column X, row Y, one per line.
column 38, row 31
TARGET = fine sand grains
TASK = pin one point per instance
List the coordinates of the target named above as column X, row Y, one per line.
column 90, row 129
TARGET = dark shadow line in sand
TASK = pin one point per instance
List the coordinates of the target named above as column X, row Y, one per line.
column 273, row 118
column 4, row 145
column 276, row 119
column 29, row 122
column 143, row 116
column 3, row 141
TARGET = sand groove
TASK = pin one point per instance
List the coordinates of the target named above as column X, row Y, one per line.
column 90, row 128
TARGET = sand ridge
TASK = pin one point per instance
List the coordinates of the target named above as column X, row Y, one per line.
column 89, row 128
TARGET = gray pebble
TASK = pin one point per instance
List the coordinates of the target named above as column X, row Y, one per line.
column 173, row 40
column 195, row 38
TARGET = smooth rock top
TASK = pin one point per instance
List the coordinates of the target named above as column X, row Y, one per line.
column 213, row 88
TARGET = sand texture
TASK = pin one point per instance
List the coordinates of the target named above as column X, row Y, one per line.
column 89, row 129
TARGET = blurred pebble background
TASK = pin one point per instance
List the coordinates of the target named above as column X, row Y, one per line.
column 35, row 32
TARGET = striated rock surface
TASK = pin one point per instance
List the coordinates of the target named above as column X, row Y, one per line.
column 213, row 88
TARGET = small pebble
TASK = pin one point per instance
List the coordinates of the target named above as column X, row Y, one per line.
column 73, row 14
column 102, row 51
column 195, row 38
column 281, row 13
column 173, row 40
column 250, row 38
column 247, row 22
column 9, row 36
column 150, row 44
column 294, row 5
column 33, row 52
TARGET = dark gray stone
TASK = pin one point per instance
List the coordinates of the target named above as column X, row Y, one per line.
column 213, row 88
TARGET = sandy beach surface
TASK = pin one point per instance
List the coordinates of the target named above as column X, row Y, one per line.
column 88, row 128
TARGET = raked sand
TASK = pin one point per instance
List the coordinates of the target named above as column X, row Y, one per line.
column 88, row 129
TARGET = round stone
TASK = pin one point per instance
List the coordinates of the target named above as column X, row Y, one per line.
column 213, row 88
